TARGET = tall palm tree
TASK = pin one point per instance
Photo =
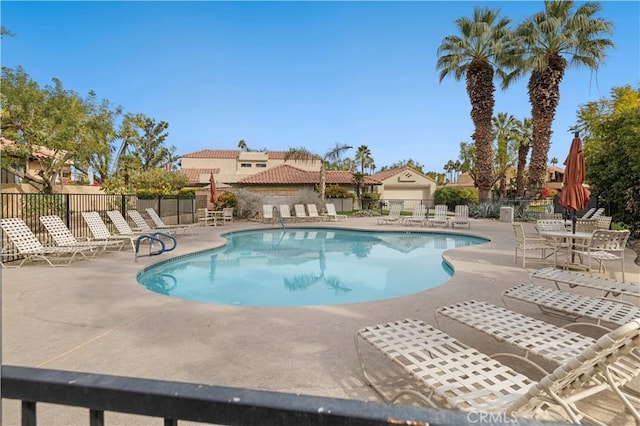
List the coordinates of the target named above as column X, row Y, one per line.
column 363, row 156
column 331, row 155
column 524, row 135
column 551, row 41
column 504, row 127
column 478, row 54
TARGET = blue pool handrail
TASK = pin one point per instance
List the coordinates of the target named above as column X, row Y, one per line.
column 155, row 237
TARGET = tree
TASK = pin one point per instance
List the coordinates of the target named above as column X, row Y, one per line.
column 478, row 54
column 468, row 161
column 50, row 118
column 549, row 42
column 523, row 133
column 611, row 135
column 242, row 145
column 363, row 156
column 146, row 140
column 504, row 127
column 411, row 163
column 6, row 32
column 331, row 155
column 449, row 167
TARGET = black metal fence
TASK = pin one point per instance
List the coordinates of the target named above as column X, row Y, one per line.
column 29, row 207
column 175, row 401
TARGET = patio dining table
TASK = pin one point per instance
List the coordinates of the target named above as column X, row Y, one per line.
column 560, row 238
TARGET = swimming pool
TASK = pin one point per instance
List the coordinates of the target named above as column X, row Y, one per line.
column 308, row 266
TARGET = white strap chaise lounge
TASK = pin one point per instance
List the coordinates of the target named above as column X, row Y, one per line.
column 161, row 226
column 332, row 214
column 576, row 279
column 459, row 377
column 29, row 247
column 571, row 305
column 64, row 237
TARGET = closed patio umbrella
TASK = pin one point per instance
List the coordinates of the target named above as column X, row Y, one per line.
column 214, row 190
column 574, row 195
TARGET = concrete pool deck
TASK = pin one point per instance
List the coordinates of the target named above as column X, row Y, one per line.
column 93, row 317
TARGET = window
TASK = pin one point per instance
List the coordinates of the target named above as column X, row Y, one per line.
column 245, row 164
column 261, row 165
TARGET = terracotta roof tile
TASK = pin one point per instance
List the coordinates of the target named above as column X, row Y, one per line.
column 194, row 174
column 226, row 154
column 386, row 174
column 287, row 174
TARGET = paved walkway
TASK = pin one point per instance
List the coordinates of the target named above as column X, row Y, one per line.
column 93, row 316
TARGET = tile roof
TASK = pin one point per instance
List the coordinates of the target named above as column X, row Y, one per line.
column 287, row 174
column 226, row 154
column 194, row 174
column 386, row 174
column 38, row 152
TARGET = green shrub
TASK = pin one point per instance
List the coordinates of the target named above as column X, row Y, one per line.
column 336, row 191
column 454, row 196
column 370, row 200
column 227, row 199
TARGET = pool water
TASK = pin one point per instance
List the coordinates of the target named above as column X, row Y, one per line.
column 300, row 267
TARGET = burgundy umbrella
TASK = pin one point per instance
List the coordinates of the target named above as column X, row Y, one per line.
column 214, row 190
column 574, row 195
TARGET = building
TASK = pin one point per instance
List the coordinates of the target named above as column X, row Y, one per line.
column 406, row 184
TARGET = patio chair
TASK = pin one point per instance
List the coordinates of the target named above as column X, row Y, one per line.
column 547, row 341
column 140, row 224
column 604, row 222
column 418, row 216
column 597, row 213
column 461, row 216
column 313, row 212
column 604, row 246
column 576, row 279
column 525, row 243
column 571, row 305
column 439, row 216
column 589, row 212
column 300, row 213
column 285, row 212
column 227, row 215
column 100, row 231
column 393, row 216
column 586, row 225
column 332, row 214
column 206, row 216
column 122, row 226
column 63, row 236
column 462, row 378
column 161, row 226
column 29, row 247
column 267, row 214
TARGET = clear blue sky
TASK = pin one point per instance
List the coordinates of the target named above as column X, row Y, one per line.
column 290, row 74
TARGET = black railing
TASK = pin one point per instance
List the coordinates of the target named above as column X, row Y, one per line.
column 175, row 401
column 29, row 207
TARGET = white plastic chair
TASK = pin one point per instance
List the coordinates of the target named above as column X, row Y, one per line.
column 524, row 244
column 439, row 216
column 332, row 214
column 604, row 246
column 461, row 216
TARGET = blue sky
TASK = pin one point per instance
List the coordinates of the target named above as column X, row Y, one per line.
column 291, row 74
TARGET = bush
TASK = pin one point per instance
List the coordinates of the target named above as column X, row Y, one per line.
column 336, row 191
column 454, row 196
column 227, row 199
column 370, row 200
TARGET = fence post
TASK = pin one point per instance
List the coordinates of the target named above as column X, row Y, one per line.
column 67, row 210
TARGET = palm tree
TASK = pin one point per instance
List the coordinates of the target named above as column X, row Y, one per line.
column 331, row 155
column 524, row 135
column 363, row 156
column 242, row 145
column 550, row 41
column 478, row 54
column 504, row 127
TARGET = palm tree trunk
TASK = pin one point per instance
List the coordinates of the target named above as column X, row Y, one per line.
column 544, row 96
column 323, row 181
column 480, row 89
column 523, row 151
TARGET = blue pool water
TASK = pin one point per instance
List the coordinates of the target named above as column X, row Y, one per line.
column 308, row 267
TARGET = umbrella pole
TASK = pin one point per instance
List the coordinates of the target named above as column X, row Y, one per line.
column 574, row 219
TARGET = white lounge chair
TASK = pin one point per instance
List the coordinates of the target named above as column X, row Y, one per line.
column 122, row 226
column 139, row 221
column 29, row 247
column 597, row 213
column 161, row 226
column 393, row 216
column 313, row 212
column 332, row 214
column 64, row 237
column 227, row 215
column 461, row 216
column 285, row 212
column 300, row 212
column 466, row 379
column 550, row 342
column 589, row 212
column 439, row 216
column 267, row 213
column 571, row 305
column 100, row 231
column 418, row 216
column 575, row 279
column 604, row 246
column 525, row 243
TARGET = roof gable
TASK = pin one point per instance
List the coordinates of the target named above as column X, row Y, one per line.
column 195, row 173
column 233, row 154
column 403, row 174
column 285, row 174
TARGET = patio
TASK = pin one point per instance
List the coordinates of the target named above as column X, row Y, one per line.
column 93, row 317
